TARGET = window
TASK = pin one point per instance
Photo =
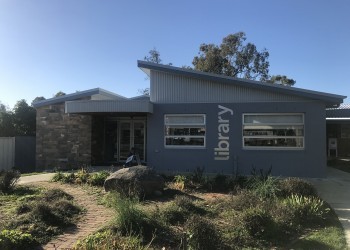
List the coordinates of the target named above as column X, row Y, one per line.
column 184, row 130
column 273, row 131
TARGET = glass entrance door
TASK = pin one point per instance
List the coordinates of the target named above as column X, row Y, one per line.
column 139, row 138
column 125, row 140
column 132, row 138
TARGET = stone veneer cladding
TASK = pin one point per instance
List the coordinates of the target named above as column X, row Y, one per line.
column 62, row 140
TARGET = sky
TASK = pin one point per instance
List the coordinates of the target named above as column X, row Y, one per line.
column 75, row 45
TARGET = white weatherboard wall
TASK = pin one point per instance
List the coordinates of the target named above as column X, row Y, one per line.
column 7, row 153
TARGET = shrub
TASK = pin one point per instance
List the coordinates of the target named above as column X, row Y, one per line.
column 8, row 180
column 68, row 178
column 258, row 223
column 57, row 177
column 197, row 176
column 184, row 202
column 285, row 219
column 82, row 176
column 16, row 240
column 23, row 208
column 201, row 234
column 66, row 209
column 44, row 216
column 98, row 179
column 244, row 200
column 264, row 187
column 180, row 210
column 42, row 211
column 296, row 186
column 181, row 182
column 55, row 194
column 220, row 183
column 307, row 208
column 131, row 220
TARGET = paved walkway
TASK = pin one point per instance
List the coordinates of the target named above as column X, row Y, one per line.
column 336, row 191
column 35, row 178
column 95, row 217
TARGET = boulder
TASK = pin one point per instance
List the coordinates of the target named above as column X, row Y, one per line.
column 138, row 180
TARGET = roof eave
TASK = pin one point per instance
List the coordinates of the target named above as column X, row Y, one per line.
column 331, row 100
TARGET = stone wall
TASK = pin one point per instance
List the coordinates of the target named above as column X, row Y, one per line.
column 62, row 140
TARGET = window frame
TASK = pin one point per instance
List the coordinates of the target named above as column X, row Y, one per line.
column 188, row 125
column 273, row 136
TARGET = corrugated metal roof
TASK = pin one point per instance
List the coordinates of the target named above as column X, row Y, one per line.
column 329, row 99
column 104, row 94
column 343, row 111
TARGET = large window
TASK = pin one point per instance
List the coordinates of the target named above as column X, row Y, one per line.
column 273, row 131
column 184, row 130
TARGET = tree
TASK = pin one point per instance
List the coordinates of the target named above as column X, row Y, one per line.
column 283, row 80
column 154, row 56
column 3, row 107
column 144, row 91
column 59, row 93
column 24, row 118
column 7, row 128
column 37, row 99
column 233, row 57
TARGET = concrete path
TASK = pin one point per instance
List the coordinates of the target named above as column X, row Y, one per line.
column 35, row 178
column 336, row 191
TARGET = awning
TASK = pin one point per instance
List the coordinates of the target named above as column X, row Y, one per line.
column 107, row 106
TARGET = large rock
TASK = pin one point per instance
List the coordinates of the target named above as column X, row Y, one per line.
column 138, row 180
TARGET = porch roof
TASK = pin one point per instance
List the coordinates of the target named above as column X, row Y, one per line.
column 107, row 106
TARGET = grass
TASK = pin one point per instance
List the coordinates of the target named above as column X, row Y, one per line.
column 324, row 238
column 260, row 212
column 9, row 202
column 265, row 213
column 36, row 214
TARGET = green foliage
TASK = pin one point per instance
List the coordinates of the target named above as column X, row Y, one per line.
column 244, row 200
column 44, row 215
column 81, row 177
column 197, row 175
column 181, row 181
column 107, row 240
column 20, row 121
column 55, row 194
column 16, row 240
column 201, row 234
column 258, row 223
column 324, row 238
column 296, row 186
column 179, row 210
column 307, row 209
column 154, row 56
column 131, row 220
column 264, row 187
column 286, row 220
column 233, row 57
column 283, row 80
column 57, row 176
column 8, row 180
column 98, row 179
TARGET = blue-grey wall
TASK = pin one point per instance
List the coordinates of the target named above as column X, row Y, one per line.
column 308, row 162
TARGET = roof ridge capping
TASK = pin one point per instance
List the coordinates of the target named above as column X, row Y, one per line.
column 77, row 95
column 332, row 100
